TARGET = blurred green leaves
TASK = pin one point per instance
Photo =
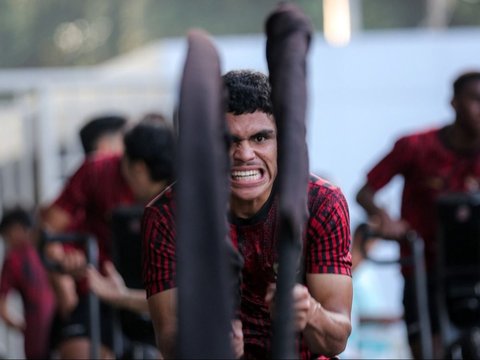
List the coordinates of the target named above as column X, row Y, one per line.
column 37, row 33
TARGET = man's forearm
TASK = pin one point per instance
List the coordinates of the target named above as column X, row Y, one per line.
column 365, row 198
column 65, row 292
column 326, row 332
column 163, row 312
column 7, row 318
column 134, row 300
column 166, row 344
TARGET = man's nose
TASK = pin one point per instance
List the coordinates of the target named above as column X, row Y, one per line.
column 243, row 151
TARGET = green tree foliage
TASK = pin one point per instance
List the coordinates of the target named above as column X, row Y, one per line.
column 85, row 32
column 388, row 14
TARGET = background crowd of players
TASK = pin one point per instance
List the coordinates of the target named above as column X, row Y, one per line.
column 129, row 162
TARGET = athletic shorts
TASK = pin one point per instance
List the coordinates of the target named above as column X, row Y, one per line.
column 77, row 324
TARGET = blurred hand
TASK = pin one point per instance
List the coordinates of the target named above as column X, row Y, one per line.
column 73, row 261
column 386, row 227
column 110, row 288
column 304, row 305
column 15, row 322
column 54, row 251
column 237, row 338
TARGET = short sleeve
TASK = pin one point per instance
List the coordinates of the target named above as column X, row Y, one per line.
column 75, row 193
column 327, row 248
column 394, row 163
column 158, row 250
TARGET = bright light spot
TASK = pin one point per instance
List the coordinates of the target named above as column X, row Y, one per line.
column 69, row 37
column 336, row 22
column 82, row 35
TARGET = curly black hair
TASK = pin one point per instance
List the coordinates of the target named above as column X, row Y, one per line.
column 247, row 91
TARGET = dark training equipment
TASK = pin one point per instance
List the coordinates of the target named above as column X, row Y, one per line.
column 458, row 267
column 288, row 33
column 417, row 261
column 204, row 294
column 204, row 283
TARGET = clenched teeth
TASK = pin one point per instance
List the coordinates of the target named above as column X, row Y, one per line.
column 246, row 175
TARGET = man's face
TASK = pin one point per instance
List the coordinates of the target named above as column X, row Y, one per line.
column 137, row 177
column 16, row 235
column 467, row 107
column 253, row 156
column 111, row 143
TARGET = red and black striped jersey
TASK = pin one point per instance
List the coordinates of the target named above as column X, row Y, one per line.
column 326, row 250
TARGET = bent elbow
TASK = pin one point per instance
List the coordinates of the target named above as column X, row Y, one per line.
column 341, row 343
column 362, row 194
column 333, row 346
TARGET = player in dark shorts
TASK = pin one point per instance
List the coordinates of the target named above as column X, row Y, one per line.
column 432, row 162
column 102, row 184
column 323, row 301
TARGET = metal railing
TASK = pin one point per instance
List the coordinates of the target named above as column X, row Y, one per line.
column 417, row 261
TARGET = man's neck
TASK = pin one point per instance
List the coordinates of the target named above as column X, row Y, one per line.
column 246, row 209
column 153, row 190
column 461, row 140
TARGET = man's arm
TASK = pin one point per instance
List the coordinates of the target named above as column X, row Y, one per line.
column 112, row 289
column 163, row 310
column 55, row 220
column 379, row 219
column 321, row 313
column 397, row 162
column 64, row 287
column 327, row 325
column 366, row 199
column 15, row 322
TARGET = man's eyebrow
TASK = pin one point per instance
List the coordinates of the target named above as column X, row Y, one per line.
column 268, row 133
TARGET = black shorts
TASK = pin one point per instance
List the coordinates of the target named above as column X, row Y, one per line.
column 77, row 324
column 410, row 307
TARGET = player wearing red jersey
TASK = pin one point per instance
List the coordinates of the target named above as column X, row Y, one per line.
column 322, row 303
column 432, row 162
column 24, row 272
column 102, row 184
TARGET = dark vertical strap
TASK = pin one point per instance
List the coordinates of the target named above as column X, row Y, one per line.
column 91, row 248
column 421, row 293
column 288, row 37
column 205, row 302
